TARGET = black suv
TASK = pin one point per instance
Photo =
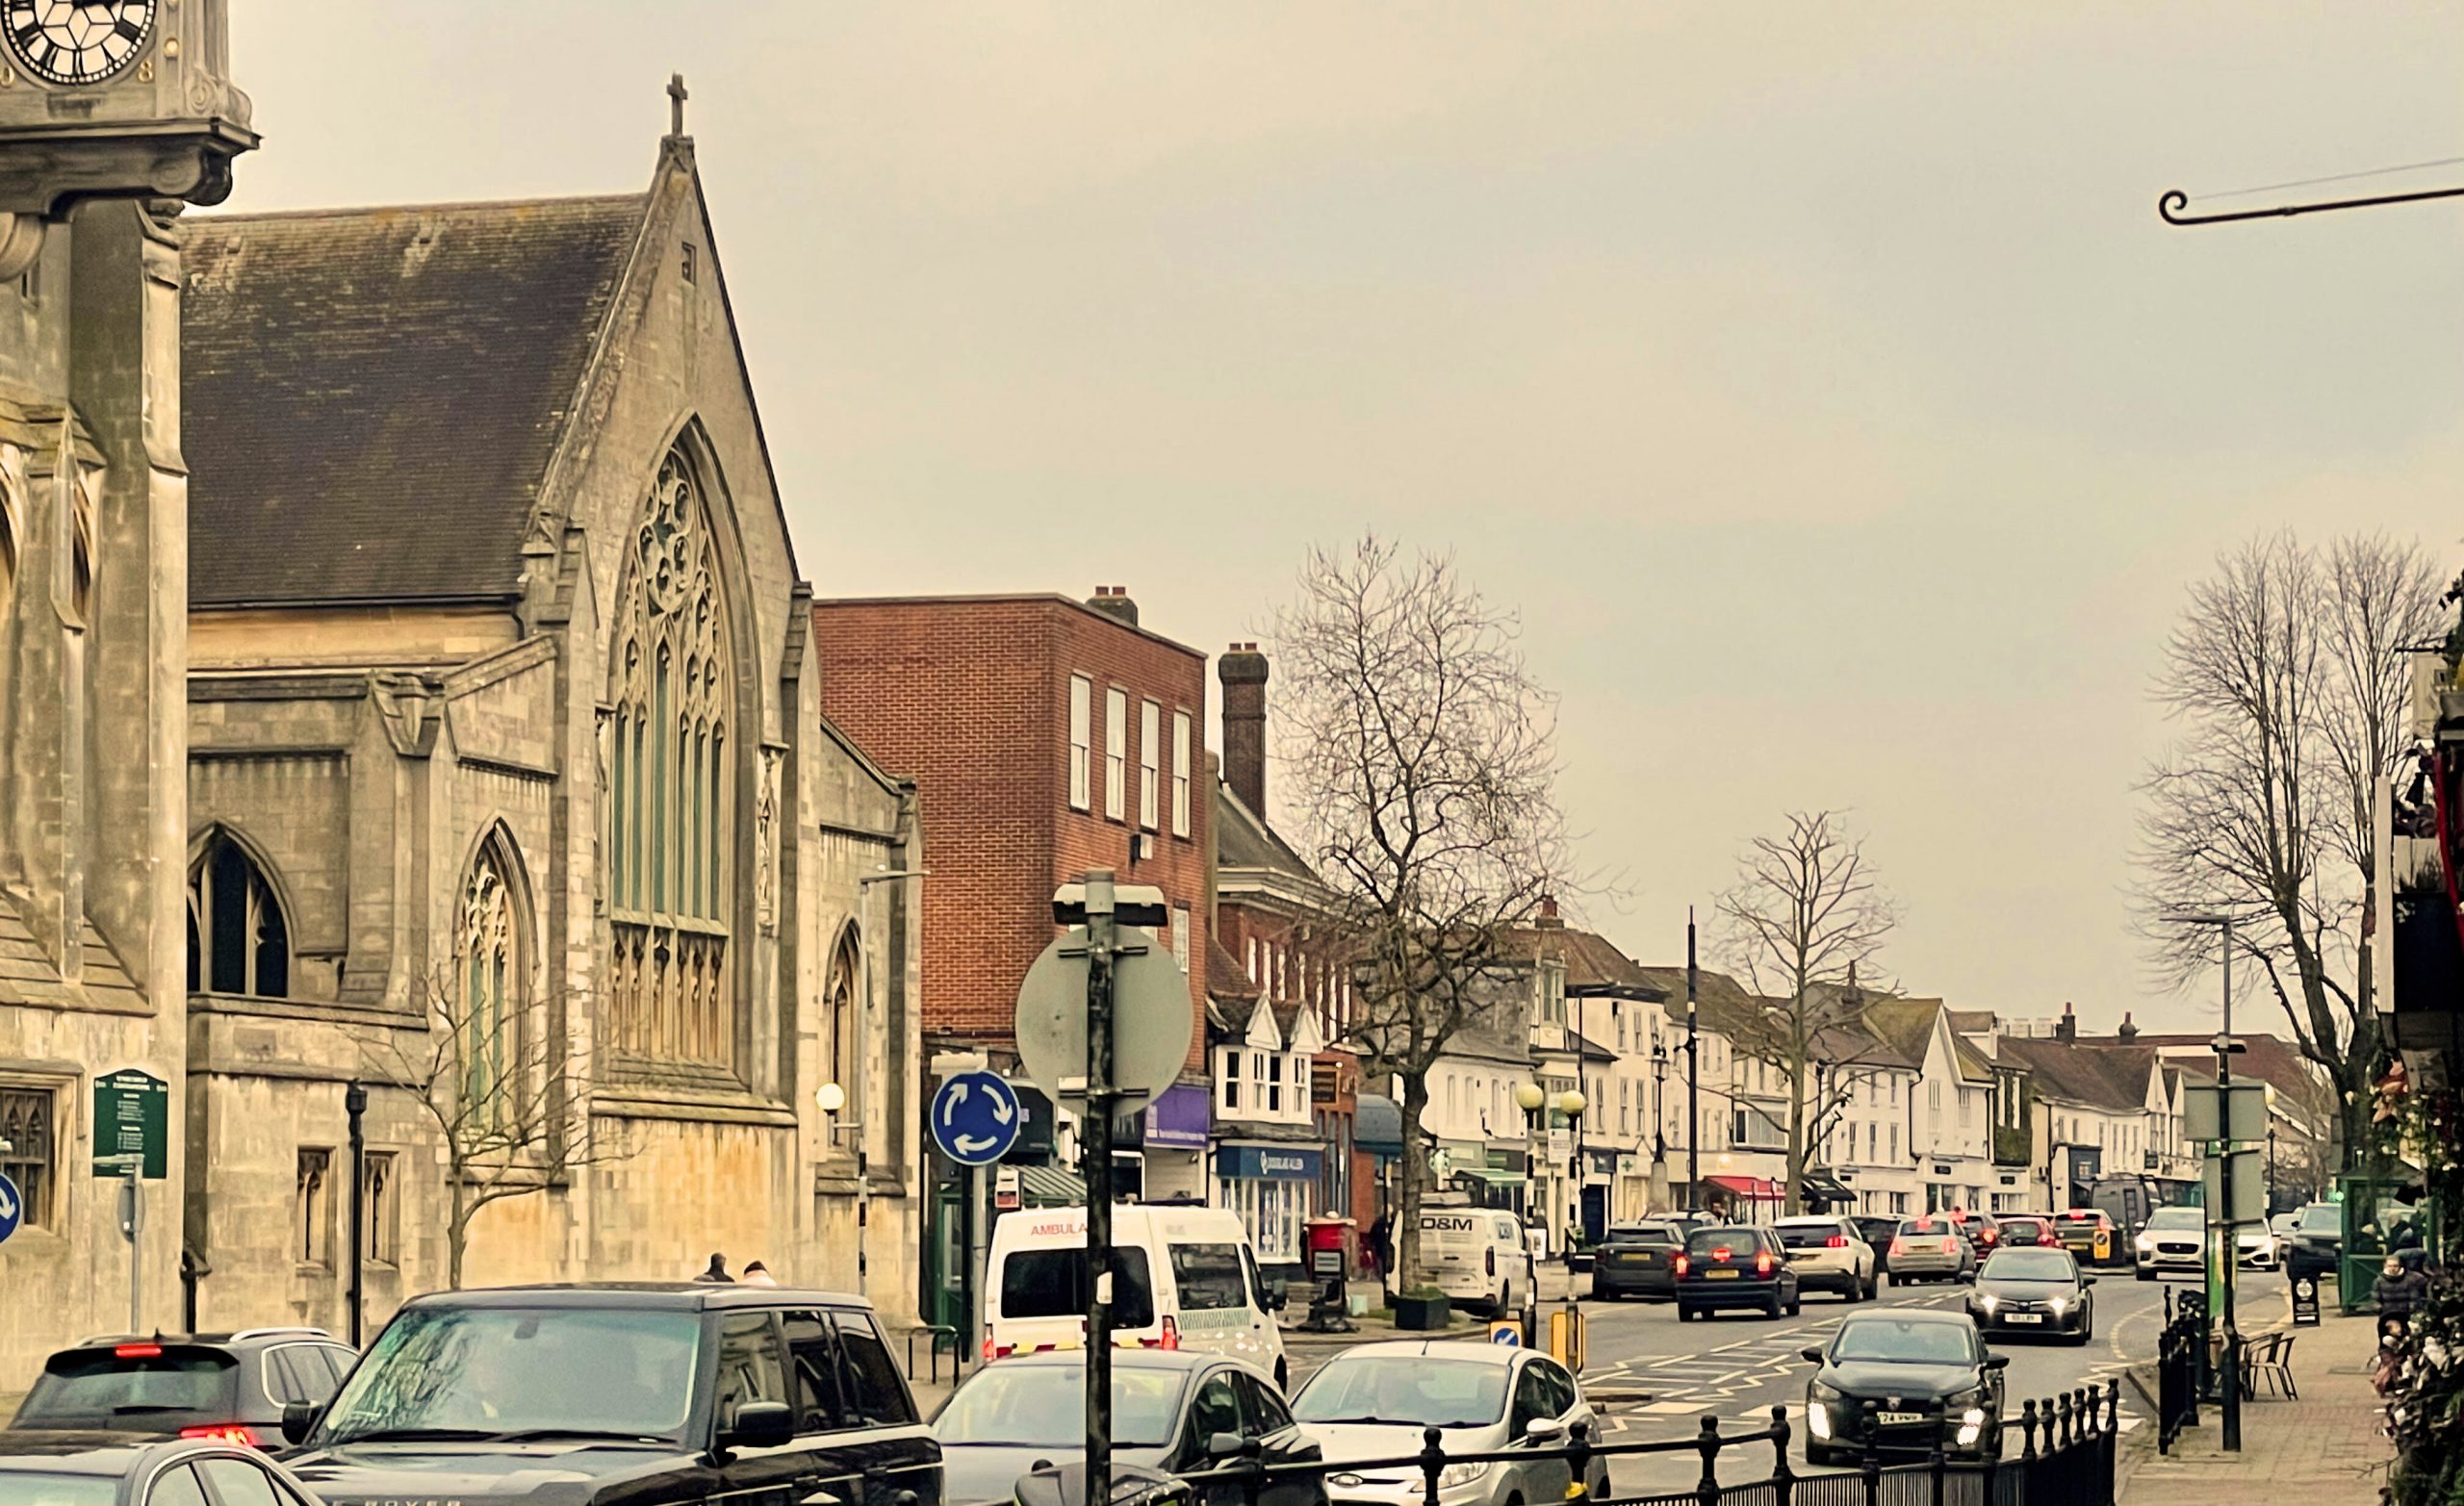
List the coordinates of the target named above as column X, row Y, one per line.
column 231, row 1387
column 642, row 1393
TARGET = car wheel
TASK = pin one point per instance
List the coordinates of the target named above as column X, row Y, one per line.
column 2144, row 1274
column 1600, row 1487
column 1873, row 1286
column 1771, row 1309
column 1818, row 1456
column 1796, row 1305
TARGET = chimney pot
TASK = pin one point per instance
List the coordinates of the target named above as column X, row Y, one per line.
column 1114, row 602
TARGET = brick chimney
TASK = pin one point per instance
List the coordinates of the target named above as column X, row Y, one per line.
column 2067, row 1027
column 1115, row 602
column 2128, row 1031
column 1548, row 918
column 1242, row 670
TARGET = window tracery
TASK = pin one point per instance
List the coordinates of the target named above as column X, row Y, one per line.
column 672, row 850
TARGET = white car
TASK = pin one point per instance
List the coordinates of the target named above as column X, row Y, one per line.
column 2258, row 1249
column 1372, row 1402
column 2174, row 1239
column 1828, row 1255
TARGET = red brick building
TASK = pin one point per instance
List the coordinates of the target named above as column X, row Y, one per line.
column 1045, row 736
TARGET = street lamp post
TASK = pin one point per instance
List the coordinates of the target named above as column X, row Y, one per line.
column 1693, row 1072
column 2228, row 1256
column 1659, row 1111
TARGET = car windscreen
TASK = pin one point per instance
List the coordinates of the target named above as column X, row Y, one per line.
column 1053, row 1284
column 1404, row 1391
column 50, row 1488
column 1706, row 1241
column 2030, row 1266
column 2022, row 1228
column 2320, row 1219
column 1044, row 1406
column 488, row 1371
column 2077, row 1223
column 1208, row 1277
column 1930, row 1228
column 1899, row 1341
column 2178, row 1218
column 1810, row 1236
column 154, row 1388
column 1642, row 1233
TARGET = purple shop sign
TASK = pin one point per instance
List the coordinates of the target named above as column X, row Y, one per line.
column 1180, row 1119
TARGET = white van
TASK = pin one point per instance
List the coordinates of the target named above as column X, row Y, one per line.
column 1188, row 1279
column 1477, row 1258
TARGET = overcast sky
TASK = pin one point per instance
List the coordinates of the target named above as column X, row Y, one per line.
column 1818, row 379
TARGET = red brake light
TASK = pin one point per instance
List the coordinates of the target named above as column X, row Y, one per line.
column 1950, row 1247
column 1680, row 1267
column 1762, row 1262
column 136, row 1351
column 226, row 1433
column 1838, row 1241
column 1722, row 1253
column 1898, row 1246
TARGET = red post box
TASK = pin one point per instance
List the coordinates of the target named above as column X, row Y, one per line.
column 1332, row 1243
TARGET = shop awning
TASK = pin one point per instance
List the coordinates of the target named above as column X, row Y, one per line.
column 1760, row 1190
column 1377, row 1125
column 1050, row 1186
column 1821, row 1187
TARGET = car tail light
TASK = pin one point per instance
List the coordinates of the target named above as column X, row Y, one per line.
column 136, row 1351
column 1680, row 1266
column 993, row 1351
column 1950, row 1247
column 224, row 1433
column 1838, row 1241
column 1762, row 1262
column 1898, row 1246
column 1171, row 1333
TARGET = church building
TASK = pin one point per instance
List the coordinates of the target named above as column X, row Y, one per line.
column 509, row 796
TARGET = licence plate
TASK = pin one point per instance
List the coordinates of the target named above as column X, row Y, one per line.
column 1899, row 1418
column 1719, row 1273
column 2025, row 1317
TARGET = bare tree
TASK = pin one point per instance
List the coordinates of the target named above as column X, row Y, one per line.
column 512, row 1112
column 1423, row 770
column 1803, row 917
column 2287, row 676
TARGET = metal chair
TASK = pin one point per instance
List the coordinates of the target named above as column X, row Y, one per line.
column 2275, row 1367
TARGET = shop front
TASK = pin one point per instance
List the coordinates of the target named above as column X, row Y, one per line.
column 1170, row 1136
column 1271, row 1186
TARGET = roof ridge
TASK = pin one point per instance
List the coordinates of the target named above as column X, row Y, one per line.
column 350, row 211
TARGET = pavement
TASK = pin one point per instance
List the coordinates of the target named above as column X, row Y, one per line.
column 2322, row 1450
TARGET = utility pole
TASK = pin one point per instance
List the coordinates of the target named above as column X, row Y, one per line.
column 355, row 1106
column 2227, row 1257
column 1693, row 1072
column 1096, row 1155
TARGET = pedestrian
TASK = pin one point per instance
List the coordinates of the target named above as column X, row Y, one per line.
column 2400, row 1291
column 718, row 1272
column 1381, row 1244
column 758, row 1275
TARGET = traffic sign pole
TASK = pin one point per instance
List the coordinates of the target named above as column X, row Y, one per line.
column 1097, row 1155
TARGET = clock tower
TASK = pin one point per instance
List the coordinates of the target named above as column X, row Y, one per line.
column 114, row 114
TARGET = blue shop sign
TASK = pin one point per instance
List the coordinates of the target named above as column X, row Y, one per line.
column 1263, row 1163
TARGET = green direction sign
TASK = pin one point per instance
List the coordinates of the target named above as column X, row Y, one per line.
column 132, row 1124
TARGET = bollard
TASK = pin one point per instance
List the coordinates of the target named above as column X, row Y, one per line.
column 1578, row 1461
column 1708, row 1491
column 1432, row 1460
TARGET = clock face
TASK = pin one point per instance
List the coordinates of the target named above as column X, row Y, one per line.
column 75, row 42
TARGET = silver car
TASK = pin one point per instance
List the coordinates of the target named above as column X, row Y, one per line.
column 1930, row 1247
column 1372, row 1402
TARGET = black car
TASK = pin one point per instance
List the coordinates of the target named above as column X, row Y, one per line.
column 1877, row 1230
column 1174, row 1412
column 1906, row 1379
column 230, row 1386
column 1638, row 1260
column 2031, row 1290
column 51, row 1468
column 2316, row 1245
column 644, row 1393
column 1734, row 1265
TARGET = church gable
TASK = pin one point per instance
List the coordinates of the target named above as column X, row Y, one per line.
column 373, row 394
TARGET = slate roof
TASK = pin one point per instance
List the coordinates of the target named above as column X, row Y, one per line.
column 1592, row 960
column 1905, row 1027
column 371, row 395
column 1227, row 980
column 1243, row 839
column 1973, row 1021
column 1718, row 996
column 2113, row 1078
column 2271, row 1059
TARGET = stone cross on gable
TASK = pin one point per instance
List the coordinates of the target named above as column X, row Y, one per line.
column 675, row 103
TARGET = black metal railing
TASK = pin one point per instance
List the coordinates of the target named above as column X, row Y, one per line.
column 2181, row 1354
column 2065, row 1456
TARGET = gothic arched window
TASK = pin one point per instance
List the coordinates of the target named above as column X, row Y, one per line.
column 238, row 940
column 671, row 848
column 844, row 1046
column 487, row 970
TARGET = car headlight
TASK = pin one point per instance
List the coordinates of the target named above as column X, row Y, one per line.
column 1988, row 1301
column 1818, row 1417
column 2145, row 1244
column 2060, row 1305
column 1971, row 1424
column 1456, row 1476
column 1965, row 1400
